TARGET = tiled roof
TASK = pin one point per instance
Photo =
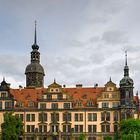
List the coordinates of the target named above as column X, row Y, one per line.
column 82, row 94
column 31, row 94
column 26, row 95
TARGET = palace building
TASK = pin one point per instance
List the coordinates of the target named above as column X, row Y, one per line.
column 60, row 113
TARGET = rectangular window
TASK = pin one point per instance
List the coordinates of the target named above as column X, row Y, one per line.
column 49, row 96
column 103, row 116
column 69, row 117
column 8, row 105
column 107, row 116
column 33, row 117
column 3, row 94
column 20, row 116
column 105, row 127
column 54, row 105
column 115, row 104
column 78, row 128
column 92, row 116
column 54, row 117
column 54, row 128
column 30, row 128
column 91, row 128
column 78, row 117
column 40, row 128
column 81, row 128
column 105, row 105
column 115, row 116
column 64, row 117
column 106, row 95
column 57, row 117
column 42, row 105
column 81, row 117
column 64, row 128
column 66, row 105
column 42, row 117
column 28, row 117
column 59, row 96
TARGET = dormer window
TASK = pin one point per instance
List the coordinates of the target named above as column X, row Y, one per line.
column 90, row 103
column 49, row 96
column 60, row 96
column 42, row 105
column 106, row 95
column 79, row 103
column 19, row 104
column 3, row 94
column 31, row 104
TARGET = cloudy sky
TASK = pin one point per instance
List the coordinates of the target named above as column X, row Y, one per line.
column 81, row 41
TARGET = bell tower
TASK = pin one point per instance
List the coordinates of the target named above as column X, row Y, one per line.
column 126, row 93
column 34, row 71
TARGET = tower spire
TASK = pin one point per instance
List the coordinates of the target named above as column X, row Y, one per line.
column 35, row 39
column 35, row 46
column 126, row 68
column 126, row 57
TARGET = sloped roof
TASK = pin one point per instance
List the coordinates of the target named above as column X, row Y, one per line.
column 83, row 94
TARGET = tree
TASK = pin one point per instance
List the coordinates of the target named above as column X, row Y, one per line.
column 130, row 129
column 107, row 138
column 12, row 128
column 82, row 136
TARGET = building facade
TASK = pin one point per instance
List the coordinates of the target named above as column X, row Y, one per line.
column 60, row 113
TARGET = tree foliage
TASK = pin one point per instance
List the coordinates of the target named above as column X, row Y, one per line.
column 82, row 136
column 130, row 129
column 107, row 138
column 12, row 128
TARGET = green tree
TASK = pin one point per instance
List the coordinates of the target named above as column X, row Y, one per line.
column 130, row 129
column 82, row 136
column 12, row 128
column 107, row 138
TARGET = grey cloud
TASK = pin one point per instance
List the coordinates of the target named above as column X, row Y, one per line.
column 114, row 37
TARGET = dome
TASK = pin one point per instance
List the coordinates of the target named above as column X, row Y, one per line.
column 34, row 67
column 126, row 81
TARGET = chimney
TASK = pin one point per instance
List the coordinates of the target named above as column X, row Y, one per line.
column 78, row 85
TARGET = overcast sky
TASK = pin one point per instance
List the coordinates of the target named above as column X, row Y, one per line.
column 81, row 41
